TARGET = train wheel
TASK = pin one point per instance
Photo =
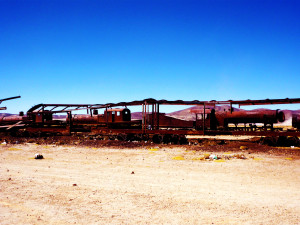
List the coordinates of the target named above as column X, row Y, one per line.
column 183, row 140
column 111, row 137
column 139, row 137
column 175, row 139
column 293, row 141
column 167, row 139
column 121, row 137
column 157, row 139
column 130, row 137
column 145, row 137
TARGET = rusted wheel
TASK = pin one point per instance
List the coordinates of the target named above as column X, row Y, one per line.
column 121, row 137
column 183, row 140
column 157, row 139
column 130, row 137
column 167, row 138
column 175, row 139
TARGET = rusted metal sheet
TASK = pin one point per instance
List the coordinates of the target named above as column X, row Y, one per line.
column 117, row 115
column 265, row 117
column 51, row 130
column 170, row 122
column 10, row 119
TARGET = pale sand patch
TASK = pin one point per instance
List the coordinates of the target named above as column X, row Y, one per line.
column 141, row 186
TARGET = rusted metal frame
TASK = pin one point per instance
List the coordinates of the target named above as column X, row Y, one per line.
column 148, row 115
column 152, row 117
column 268, row 101
column 53, row 108
column 196, row 102
column 144, row 119
column 203, row 118
column 66, row 106
column 70, row 121
column 106, row 117
column 43, row 110
column 6, row 99
column 157, row 117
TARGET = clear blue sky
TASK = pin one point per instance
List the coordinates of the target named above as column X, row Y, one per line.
column 111, row 51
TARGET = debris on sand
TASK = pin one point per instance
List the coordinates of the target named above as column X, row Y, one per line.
column 38, row 156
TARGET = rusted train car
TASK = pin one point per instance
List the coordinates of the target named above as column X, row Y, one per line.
column 116, row 120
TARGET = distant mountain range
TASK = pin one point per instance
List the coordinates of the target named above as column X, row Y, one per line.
column 6, row 114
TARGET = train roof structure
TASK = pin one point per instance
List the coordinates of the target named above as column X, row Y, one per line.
column 58, row 108
column 197, row 102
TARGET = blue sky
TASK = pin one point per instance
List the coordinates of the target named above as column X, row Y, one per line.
column 111, row 51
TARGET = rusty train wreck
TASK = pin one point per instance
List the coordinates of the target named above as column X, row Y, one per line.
column 116, row 121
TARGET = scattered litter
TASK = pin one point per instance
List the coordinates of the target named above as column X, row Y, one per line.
column 239, row 156
column 212, row 157
column 220, row 158
column 38, row 156
column 4, row 143
column 153, row 149
column 243, row 147
column 292, row 146
column 206, row 155
column 74, row 185
column 289, row 158
column 132, row 172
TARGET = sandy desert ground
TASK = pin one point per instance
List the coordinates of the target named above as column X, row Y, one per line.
column 145, row 185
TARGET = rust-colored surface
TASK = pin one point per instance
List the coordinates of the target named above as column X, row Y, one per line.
column 118, row 120
column 296, row 121
column 265, row 117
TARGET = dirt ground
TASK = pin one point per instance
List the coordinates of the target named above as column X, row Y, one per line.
column 149, row 184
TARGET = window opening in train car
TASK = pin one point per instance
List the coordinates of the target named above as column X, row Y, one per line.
column 118, row 113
